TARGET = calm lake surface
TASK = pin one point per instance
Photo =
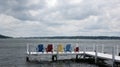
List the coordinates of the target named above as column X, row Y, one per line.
column 13, row 51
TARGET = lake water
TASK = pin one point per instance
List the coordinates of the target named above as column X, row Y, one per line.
column 13, row 51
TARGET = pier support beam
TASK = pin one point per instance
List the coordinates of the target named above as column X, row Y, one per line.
column 77, row 57
column 117, row 64
column 28, row 52
column 84, row 52
column 54, row 57
column 96, row 51
column 27, row 59
column 113, row 56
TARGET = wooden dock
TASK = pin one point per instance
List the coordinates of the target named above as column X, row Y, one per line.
column 97, row 56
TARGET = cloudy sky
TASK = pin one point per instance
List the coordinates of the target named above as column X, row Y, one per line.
column 24, row 18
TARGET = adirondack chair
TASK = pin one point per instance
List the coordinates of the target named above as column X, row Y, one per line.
column 40, row 48
column 76, row 48
column 60, row 48
column 68, row 48
column 49, row 48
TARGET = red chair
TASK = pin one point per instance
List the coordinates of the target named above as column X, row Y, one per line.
column 49, row 48
column 76, row 49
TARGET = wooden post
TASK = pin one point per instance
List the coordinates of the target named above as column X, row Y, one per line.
column 117, row 50
column 53, row 48
column 84, row 52
column 84, row 49
column 102, row 48
column 96, row 53
column 28, row 52
column 113, row 56
column 57, row 52
column 29, row 49
column 93, row 47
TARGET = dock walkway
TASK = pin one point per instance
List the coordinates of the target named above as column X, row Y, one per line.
column 95, row 54
column 100, row 55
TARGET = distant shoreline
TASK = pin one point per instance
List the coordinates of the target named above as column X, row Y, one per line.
column 65, row 37
column 4, row 37
column 75, row 37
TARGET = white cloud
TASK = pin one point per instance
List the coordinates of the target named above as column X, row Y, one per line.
column 15, row 27
column 51, row 3
column 34, row 12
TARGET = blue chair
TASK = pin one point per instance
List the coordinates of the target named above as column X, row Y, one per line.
column 68, row 48
column 40, row 48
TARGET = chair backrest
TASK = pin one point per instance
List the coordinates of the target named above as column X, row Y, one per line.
column 49, row 48
column 60, row 48
column 76, row 48
column 40, row 48
column 68, row 48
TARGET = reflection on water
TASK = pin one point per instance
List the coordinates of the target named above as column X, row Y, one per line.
column 61, row 64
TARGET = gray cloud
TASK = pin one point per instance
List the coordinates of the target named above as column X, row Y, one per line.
column 59, row 17
column 19, row 8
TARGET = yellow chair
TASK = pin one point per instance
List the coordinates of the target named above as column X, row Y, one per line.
column 60, row 48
